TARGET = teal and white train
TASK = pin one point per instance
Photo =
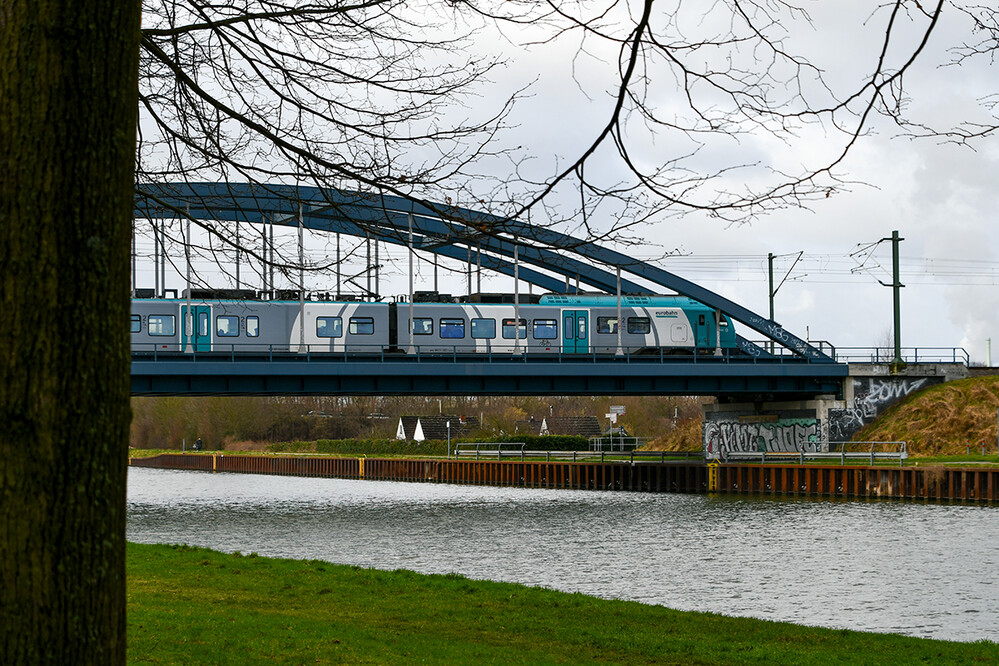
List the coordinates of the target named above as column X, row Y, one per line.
column 554, row 324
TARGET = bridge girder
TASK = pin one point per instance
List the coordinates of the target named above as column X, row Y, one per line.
column 447, row 231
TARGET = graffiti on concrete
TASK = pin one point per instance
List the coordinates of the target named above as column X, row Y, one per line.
column 783, row 435
column 871, row 395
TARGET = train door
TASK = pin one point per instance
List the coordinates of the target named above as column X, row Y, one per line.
column 575, row 331
column 702, row 333
column 201, row 340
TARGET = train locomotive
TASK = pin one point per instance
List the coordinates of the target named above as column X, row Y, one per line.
column 554, row 324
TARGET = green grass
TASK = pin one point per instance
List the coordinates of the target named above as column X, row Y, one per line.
column 195, row 606
column 976, row 459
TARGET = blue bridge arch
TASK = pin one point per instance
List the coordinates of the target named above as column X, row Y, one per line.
column 451, row 232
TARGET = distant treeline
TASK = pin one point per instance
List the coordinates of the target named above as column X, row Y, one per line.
column 258, row 423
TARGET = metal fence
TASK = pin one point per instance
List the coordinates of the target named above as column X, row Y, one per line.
column 892, row 451
column 517, row 451
column 616, row 443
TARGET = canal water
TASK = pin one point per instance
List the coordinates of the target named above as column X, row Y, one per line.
column 929, row 570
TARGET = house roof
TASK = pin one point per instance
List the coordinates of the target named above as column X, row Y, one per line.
column 435, row 427
column 587, row 426
column 408, row 424
column 531, row 427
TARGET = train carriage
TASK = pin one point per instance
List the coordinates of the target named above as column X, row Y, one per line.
column 556, row 324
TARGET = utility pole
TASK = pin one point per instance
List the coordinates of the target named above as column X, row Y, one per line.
column 773, row 292
column 896, row 287
column 770, row 261
column 896, row 284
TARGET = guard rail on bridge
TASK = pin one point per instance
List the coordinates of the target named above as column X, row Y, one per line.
column 379, row 353
column 911, row 355
column 881, row 355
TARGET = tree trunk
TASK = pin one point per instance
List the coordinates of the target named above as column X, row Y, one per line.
column 68, row 99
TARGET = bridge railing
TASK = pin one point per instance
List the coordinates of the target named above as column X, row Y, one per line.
column 173, row 351
column 909, row 355
column 777, row 350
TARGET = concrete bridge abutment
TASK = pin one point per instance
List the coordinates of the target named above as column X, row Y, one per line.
column 810, row 425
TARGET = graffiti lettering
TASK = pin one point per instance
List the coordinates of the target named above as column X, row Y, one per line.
column 785, row 435
column 871, row 396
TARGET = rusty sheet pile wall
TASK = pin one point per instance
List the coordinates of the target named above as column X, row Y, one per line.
column 658, row 477
column 934, row 483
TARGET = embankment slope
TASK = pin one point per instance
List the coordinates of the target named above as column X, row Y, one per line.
column 942, row 419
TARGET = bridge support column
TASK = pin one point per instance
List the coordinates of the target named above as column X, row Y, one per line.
column 768, row 426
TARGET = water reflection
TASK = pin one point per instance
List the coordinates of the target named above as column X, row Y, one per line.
column 918, row 569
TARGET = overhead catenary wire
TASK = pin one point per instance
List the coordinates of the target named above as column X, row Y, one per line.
column 835, row 269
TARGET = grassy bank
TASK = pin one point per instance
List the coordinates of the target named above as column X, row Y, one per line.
column 942, row 420
column 195, row 606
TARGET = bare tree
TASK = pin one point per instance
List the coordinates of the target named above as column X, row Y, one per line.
column 395, row 97
column 68, row 82
column 981, row 44
column 367, row 95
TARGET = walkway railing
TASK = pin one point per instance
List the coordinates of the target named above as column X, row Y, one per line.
column 490, row 450
column 516, row 451
column 173, row 351
column 876, row 451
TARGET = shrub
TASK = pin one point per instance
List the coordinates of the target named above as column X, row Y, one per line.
column 397, row 447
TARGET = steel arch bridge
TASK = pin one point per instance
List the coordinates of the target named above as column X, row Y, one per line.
column 505, row 246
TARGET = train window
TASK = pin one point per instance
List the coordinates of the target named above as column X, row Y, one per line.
column 136, row 323
column 581, row 333
column 484, row 328
column 252, row 327
column 511, row 330
column 423, row 326
column 452, row 328
column 362, row 326
column 639, row 325
column 329, row 327
column 162, row 325
column 227, row 326
column 545, row 329
column 700, row 320
column 606, row 324
column 202, row 324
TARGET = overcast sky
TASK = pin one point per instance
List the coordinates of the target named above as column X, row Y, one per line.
column 942, row 199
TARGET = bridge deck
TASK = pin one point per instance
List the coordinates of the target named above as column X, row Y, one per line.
column 273, row 373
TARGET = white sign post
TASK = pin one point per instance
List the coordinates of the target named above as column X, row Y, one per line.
column 617, row 410
column 612, row 418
